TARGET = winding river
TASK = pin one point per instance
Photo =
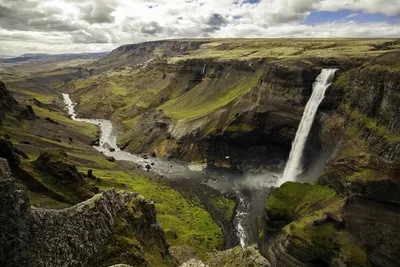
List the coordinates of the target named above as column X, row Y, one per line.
column 248, row 188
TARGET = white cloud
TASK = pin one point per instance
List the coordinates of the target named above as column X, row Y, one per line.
column 93, row 25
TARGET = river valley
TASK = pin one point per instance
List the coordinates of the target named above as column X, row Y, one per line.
column 250, row 190
column 203, row 152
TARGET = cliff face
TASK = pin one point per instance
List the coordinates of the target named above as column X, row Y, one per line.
column 359, row 224
column 7, row 102
column 80, row 235
column 234, row 100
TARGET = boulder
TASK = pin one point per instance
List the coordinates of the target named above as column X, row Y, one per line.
column 95, row 142
column 110, row 159
column 51, row 120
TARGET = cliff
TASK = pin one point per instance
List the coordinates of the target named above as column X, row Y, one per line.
column 356, row 221
column 87, row 234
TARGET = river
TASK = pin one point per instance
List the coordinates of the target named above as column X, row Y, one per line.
column 251, row 190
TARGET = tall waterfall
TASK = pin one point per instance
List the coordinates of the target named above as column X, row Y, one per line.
column 294, row 165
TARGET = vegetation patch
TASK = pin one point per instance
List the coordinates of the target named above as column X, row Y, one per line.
column 293, row 198
column 186, row 221
column 226, row 205
column 210, row 95
column 369, row 123
column 355, row 255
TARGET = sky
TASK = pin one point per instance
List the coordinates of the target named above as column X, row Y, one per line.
column 65, row 26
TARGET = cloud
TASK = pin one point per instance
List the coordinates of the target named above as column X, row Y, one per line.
column 30, row 17
column 216, row 20
column 352, row 15
column 150, row 28
column 90, row 37
column 98, row 11
column 105, row 24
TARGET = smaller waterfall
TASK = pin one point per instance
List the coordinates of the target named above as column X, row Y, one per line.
column 294, row 166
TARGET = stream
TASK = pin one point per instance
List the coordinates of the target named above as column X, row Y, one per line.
column 251, row 189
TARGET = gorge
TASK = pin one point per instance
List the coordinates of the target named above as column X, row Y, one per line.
column 238, row 152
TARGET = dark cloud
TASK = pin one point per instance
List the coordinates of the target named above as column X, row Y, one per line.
column 216, row 20
column 98, row 12
column 210, row 29
column 150, row 28
column 286, row 18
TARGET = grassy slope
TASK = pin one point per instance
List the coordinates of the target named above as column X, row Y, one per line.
column 184, row 220
column 210, row 95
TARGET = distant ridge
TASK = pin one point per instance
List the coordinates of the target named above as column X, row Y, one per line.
column 43, row 56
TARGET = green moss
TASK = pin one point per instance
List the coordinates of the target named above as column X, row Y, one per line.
column 364, row 175
column 369, row 123
column 45, row 202
column 322, row 239
column 296, row 198
column 239, row 127
column 342, row 81
column 355, row 255
column 124, row 247
column 225, row 204
column 192, row 225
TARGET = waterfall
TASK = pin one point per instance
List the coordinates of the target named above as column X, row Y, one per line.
column 294, row 165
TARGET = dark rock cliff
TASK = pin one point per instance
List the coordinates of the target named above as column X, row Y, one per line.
column 80, row 235
column 9, row 105
column 7, row 102
column 358, row 225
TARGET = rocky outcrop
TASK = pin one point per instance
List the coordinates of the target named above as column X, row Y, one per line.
column 235, row 257
column 54, row 169
column 56, row 162
column 7, row 151
column 7, row 102
column 238, row 257
column 9, row 105
column 76, row 236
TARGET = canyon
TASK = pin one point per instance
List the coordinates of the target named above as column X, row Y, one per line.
column 194, row 136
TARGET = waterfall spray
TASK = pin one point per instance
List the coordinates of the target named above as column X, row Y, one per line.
column 294, row 165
